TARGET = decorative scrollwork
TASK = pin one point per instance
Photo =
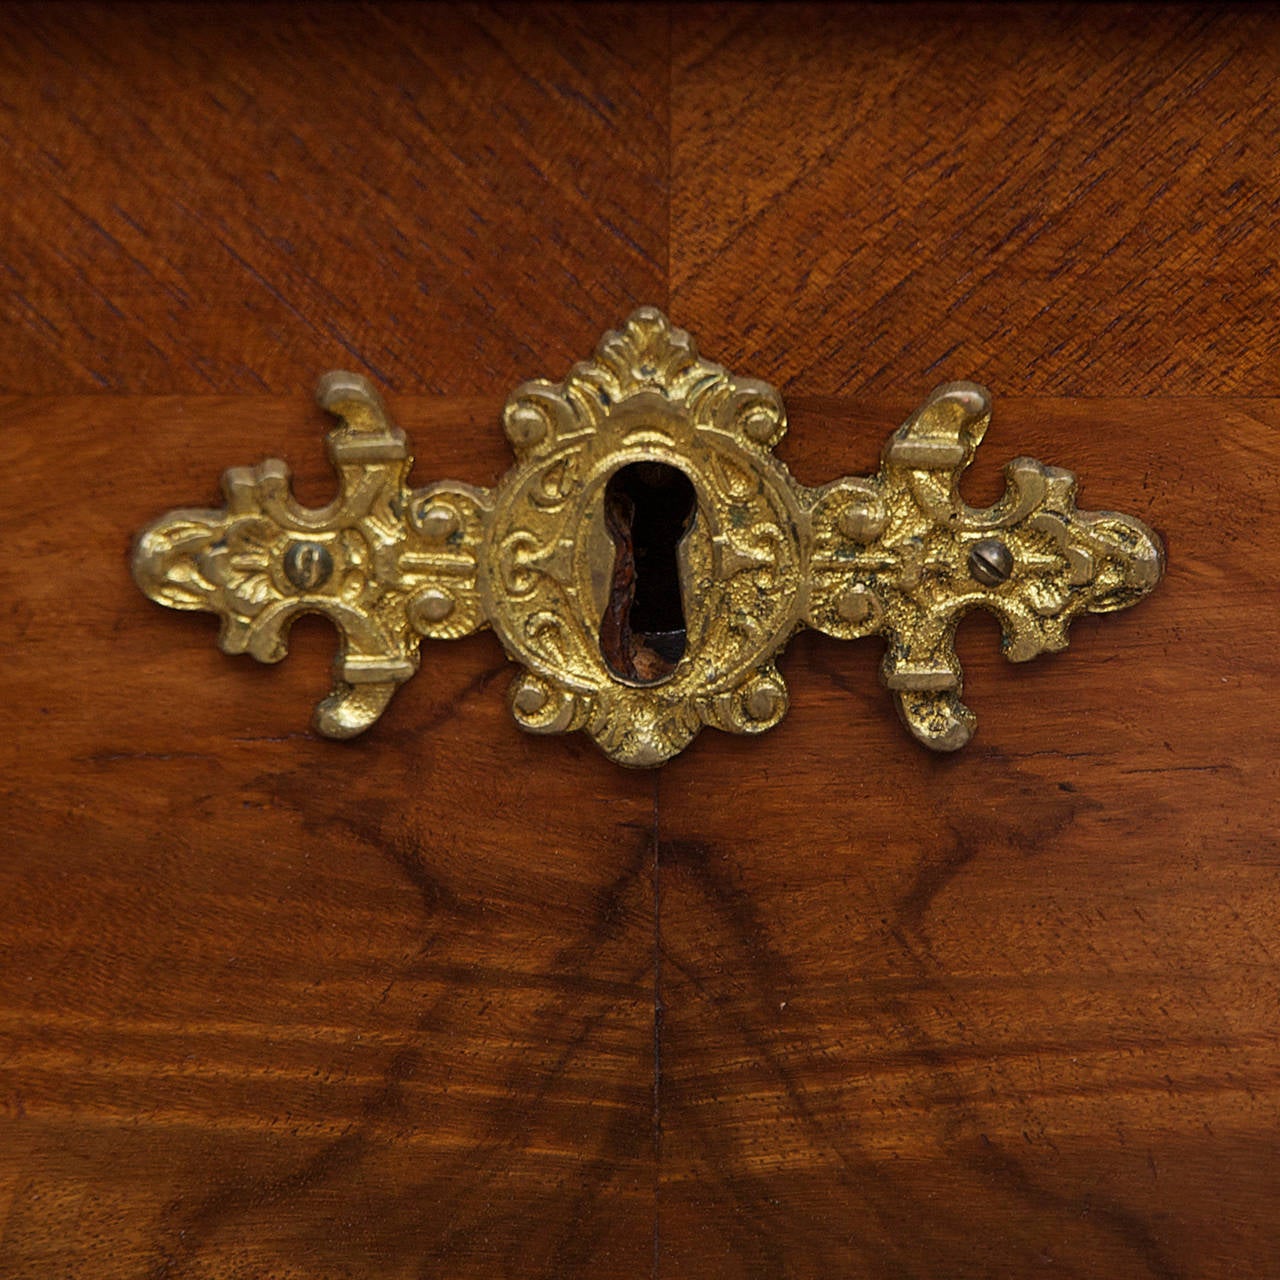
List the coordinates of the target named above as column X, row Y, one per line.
column 903, row 556
column 898, row 554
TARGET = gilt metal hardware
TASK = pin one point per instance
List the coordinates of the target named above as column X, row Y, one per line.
column 540, row 559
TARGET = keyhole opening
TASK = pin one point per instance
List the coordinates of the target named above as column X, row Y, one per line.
column 649, row 507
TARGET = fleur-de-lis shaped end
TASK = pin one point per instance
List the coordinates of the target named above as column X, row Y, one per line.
column 544, row 559
column 903, row 556
column 386, row 567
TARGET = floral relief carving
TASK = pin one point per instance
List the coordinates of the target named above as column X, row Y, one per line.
column 898, row 554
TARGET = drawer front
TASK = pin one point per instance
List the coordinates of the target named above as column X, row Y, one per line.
column 453, row 1000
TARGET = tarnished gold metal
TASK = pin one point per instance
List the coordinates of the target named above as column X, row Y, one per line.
column 898, row 554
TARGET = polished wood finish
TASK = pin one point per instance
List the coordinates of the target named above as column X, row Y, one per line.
column 272, row 1007
column 225, row 199
column 1009, row 1011
column 1052, row 200
column 452, row 1001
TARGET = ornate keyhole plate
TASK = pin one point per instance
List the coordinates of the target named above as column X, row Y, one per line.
column 898, row 554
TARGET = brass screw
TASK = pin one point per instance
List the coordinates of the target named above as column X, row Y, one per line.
column 990, row 562
column 308, row 565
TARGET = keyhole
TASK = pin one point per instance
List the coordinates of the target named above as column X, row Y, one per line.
column 648, row 509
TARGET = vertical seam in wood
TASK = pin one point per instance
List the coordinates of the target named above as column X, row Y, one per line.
column 657, row 777
column 671, row 158
column 657, row 1024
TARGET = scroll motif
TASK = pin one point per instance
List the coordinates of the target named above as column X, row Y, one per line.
column 903, row 556
column 385, row 566
column 898, row 554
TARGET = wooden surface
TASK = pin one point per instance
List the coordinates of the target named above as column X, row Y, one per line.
column 450, row 1001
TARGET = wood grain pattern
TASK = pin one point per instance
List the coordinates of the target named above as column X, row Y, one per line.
column 451, row 1001
column 272, row 1009
column 1063, row 200
column 276, row 1007
column 1009, row 1012
column 230, row 198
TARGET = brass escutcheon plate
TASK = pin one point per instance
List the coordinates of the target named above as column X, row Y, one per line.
column 898, row 554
